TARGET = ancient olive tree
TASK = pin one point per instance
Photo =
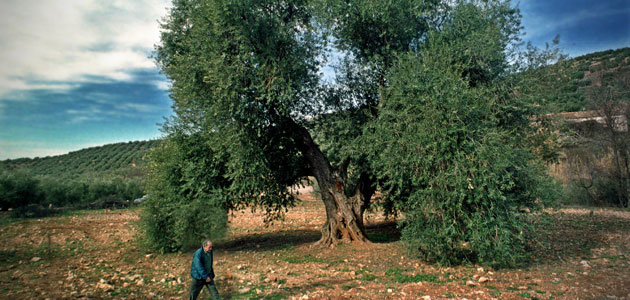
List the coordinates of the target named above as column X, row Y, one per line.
column 252, row 115
column 245, row 80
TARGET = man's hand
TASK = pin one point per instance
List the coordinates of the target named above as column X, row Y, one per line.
column 208, row 279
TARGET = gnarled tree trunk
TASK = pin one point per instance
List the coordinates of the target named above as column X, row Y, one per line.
column 344, row 215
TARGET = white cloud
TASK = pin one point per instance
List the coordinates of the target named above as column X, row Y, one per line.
column 162, row 84
column 74, row 40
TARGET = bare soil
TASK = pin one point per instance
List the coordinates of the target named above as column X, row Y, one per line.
column 579, row 253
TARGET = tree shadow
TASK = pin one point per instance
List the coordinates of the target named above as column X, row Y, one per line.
column 383, row 232
column 271, row 241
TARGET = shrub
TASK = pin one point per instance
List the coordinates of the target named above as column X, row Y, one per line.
column 18, row 189
column 578, row 75
column 186, row 205
column 33, row 211
column 450, row 155
column 583, row 83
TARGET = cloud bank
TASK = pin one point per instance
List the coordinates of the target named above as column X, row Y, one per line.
column 55, row 44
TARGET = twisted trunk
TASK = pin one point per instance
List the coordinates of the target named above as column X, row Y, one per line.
column 344, row 215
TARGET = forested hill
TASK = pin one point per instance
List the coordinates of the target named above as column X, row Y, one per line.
column 582, row 74
column 600, row 67
column 114, row 160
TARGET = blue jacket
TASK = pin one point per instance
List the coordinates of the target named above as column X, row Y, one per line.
column 201, row 267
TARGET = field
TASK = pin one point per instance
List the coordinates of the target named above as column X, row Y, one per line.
column 578, row 254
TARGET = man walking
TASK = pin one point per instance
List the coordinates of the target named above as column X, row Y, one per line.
column 202, row 272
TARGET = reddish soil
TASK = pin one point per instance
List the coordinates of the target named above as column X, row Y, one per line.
column 579, row 254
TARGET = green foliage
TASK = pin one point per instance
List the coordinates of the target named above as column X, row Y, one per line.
column 18, row 189
column 425, row 104
column 557, row 84
column 88, row 178
column 97, row 162
column 240, row 71
column 28, row 193
column 33, row 211
column 400, row 277
column 449, row 157
column 185, row 204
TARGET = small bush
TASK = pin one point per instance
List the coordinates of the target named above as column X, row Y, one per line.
column 450, row 156
column 578, row 75
column 583, row 83
column 33, row 211
column 184, row 207
column 18, row 189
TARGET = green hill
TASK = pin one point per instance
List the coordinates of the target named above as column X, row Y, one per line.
column 120, row 160
column 569, row 81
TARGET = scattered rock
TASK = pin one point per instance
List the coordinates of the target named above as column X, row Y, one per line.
column 471, row 283
column 140, row 282
column 104, row 286
column 390, row 291
column 244, row 290
column 36, row 259
column 426, row 297
column 483, row 279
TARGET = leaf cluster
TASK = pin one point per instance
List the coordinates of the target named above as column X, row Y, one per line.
column 448, row 156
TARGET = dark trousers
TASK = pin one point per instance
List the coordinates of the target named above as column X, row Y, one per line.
column 197, row 285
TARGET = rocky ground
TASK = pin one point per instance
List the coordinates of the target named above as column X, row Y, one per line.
column 579, row 254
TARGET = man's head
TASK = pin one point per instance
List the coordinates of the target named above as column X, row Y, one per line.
column 207, row 245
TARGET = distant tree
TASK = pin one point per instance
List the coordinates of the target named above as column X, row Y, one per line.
column 18, row 189
column 611, row 100
column 252, row 117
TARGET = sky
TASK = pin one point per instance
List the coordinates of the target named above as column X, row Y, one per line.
column 78, row 73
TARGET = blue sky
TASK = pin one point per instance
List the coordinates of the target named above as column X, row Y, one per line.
column 77, row 73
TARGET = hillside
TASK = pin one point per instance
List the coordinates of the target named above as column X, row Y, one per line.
column 572, row 80
column 114, row 160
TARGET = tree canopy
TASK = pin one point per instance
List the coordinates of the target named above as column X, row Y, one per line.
column 422, row 109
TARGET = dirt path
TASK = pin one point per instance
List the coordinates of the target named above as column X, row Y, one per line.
column 579, row 254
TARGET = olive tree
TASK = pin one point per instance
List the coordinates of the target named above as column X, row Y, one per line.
column 246, row 85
